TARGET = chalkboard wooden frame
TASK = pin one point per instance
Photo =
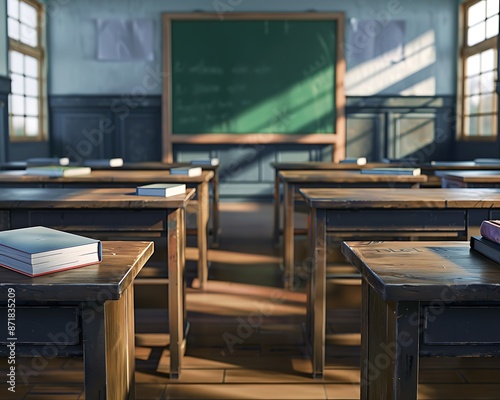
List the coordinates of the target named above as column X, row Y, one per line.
column 336, row 139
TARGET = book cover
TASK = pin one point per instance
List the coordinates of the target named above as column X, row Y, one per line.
column 208, row 161
column 490, row 229
column 391, row 171
column 161, row 189
column 47, row 161
column 58, row 171
column 407, row 160
column 189, row 171
column 104, row 162
column 485, row 247
column 39, row 250
column 357, row 161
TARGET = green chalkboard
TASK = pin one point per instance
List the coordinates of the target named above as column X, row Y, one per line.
column 275, row 75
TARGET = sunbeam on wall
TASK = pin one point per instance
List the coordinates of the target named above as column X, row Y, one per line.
column 376, row 75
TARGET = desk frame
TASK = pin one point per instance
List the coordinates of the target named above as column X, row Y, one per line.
column 290, row 188
column 66, row 214
column 106, row 324
column 131, row 179
column 461, row 220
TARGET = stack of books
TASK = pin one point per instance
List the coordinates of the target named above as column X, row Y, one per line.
column 40, row 250
column 488, row 244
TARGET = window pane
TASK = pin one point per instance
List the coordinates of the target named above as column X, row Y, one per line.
column 472, row 85
column 32, row 106
column 31, row 126
column 31, row 87
column 492, row 7
column 474, row 105
column 28, row 14
column 28, row 35
column 13, row 8
column 488, row 59
column 16, row 62
column 492, row 27
column 31, row 64
column 487, row 103
column 13, row 29
column 473, row 126
column 487, row 82
column 18, row 126
column 476, row 34
column 473, row 65
column 17, row 84
column 485, row 122
column 17, row 104
column 477, row 13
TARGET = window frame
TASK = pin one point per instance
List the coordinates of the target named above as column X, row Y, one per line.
column 466, row 51
column 37, row 52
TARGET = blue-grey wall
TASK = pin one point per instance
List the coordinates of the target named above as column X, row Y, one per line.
column 3, row 38
column 428, row 67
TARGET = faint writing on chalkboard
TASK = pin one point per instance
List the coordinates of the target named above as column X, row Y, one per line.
column 125, row 40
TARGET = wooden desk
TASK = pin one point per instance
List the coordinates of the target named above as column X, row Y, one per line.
column 292, row 180
column 389, row 212
column 470, row 179
column 429, row 169
column 110, row 214
column 156, row 166
column 87, row 311
column 130, row 179
column 306, row 166
column 422, row 299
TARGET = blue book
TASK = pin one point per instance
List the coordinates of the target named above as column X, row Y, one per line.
column 209, row 161
column 161, row 189
column 39, row 250
column 58, row 171
column 188, row 171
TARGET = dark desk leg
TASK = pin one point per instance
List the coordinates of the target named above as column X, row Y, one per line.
column 390, row 348
column 203, row 207
column 288, row 237
column 316, row 303
column 176, row 320
column 276, row 205
column 215, row 208
column 108, row 348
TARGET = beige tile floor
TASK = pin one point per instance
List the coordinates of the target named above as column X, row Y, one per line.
column 246, row 339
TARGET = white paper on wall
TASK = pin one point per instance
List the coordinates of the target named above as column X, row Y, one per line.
column 125, row 40
column 375, row 39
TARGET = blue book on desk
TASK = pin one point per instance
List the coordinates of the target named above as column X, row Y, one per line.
column 209, row 162
column 188, row 171
column 40, row 250
column 391, row 171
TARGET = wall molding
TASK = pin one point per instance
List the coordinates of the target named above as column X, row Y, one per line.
column 246, row 169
